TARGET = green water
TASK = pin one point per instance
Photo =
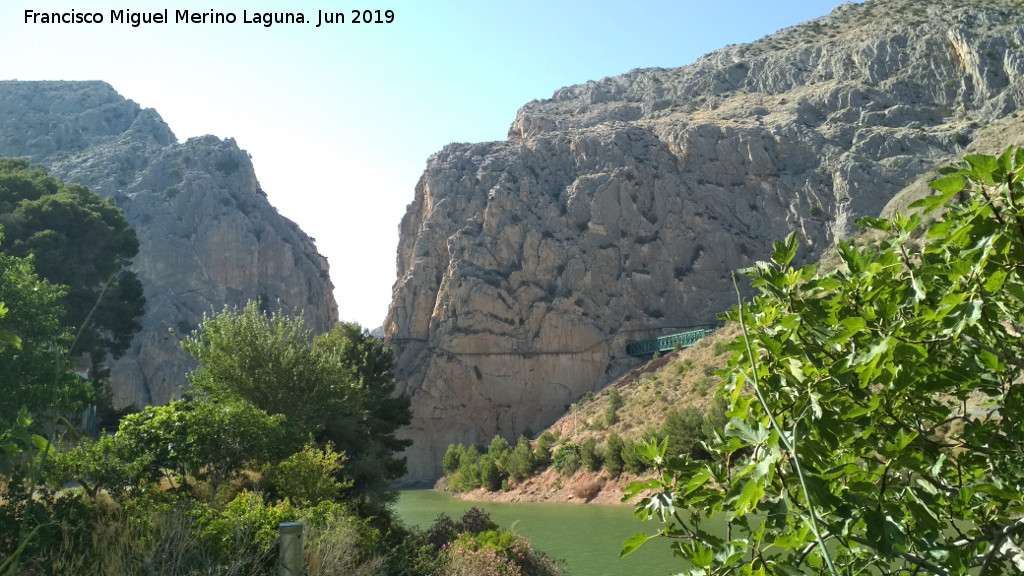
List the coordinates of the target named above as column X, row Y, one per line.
column 587, row 536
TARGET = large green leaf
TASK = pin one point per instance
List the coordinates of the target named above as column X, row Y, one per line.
column 634, row 542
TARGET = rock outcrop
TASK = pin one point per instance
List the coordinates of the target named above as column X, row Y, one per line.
column 617, row 209
column 207, row 235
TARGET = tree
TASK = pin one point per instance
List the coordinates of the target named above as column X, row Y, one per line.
column 632, row 461
column 225, row 438
column 97, row 465
column 520, row 462
column 35, row 377
column 498, row 449
column 367, row 367
column 452, row 457
column 498, row 454
column 337, row 387
column 877, row 422
column 613, row 463
column 468, row 475
column 490, row 475
column 542, row 455
column 268, row 360
column 567, row 459
column 589, row 455
column 82, row 242
column 611, row 413
column 209, row 440
column 683, row 430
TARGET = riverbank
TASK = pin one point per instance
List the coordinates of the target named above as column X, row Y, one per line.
column 550, row 486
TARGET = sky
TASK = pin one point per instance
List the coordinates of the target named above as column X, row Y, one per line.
column 340, row 119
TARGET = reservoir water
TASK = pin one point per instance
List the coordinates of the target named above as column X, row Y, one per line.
column 587, row 537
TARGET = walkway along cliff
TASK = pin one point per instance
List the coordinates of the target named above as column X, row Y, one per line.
column 616, row 210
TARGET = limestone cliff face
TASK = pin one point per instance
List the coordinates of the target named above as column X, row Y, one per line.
column 617, row 209
column 207, row 235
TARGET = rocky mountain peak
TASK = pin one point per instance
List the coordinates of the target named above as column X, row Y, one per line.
column 208, row 237
column 617, row 209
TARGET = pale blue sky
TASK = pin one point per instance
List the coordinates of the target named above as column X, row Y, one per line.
column 340, row 120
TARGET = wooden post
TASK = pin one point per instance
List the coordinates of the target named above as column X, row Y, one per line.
column 290, row 562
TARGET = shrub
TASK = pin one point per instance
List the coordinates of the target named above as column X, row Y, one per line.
column 586, row 491
column 496, row 553
column 837, row 450
column 719, row 348
column 310, row 475
column 475, row 521
column 567, row 459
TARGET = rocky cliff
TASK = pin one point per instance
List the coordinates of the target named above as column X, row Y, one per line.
column 207, row 235
column 617, row 209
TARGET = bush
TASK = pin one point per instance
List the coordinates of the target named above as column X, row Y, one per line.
column 475, row 521
column 567, row 460
column 310, row 475
column 441, row 532
column 881, row 432
column 495, row 553
column 720, row 348
column 586, row 491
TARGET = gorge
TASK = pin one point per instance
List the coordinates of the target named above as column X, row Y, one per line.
column 617, row 209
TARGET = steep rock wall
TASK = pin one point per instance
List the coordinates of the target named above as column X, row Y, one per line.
column 207, row 235
column 617, row 209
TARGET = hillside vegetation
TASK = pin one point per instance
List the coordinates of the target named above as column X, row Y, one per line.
column 201, row 485
column 673, row 393
column 871, row 413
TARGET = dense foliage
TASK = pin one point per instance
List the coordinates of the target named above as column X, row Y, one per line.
column 877, row 409
column 475, row 546
column 79, row 241
column 273, row 362
column 35, row 379
column 501, row 467
column 200, row 486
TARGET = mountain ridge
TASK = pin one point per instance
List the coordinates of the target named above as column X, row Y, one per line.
column 208, row 237
column 617, row 209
